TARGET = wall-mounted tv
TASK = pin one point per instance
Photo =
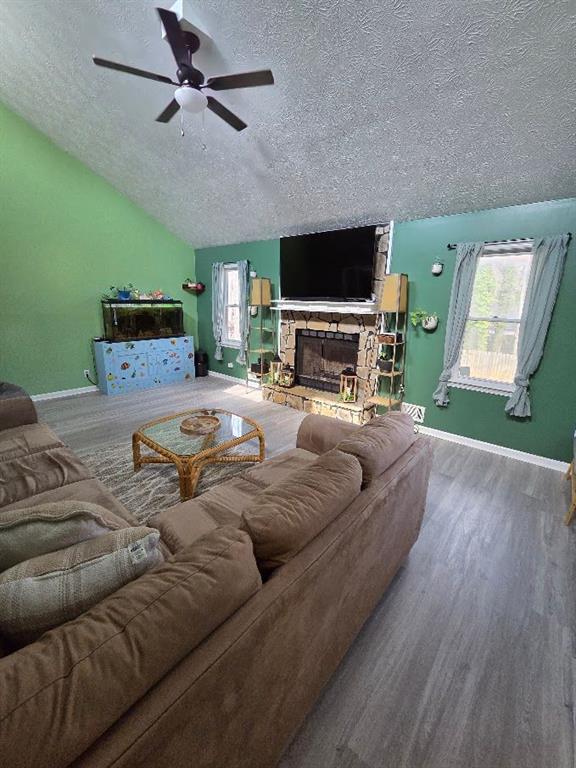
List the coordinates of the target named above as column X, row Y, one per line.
column 336, row 266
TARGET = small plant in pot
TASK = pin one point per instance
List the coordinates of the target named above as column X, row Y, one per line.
column 428, row 320
column 384, row 363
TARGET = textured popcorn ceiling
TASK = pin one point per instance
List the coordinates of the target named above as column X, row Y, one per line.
column 382, row 109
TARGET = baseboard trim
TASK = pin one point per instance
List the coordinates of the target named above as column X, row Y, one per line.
column 510, row 453
column 235, row 379
column 64, row 393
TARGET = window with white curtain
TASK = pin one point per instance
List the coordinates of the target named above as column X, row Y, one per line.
column 231, row 332
column 488, row 355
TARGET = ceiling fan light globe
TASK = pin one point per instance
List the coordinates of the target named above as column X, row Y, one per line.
column 190, row 99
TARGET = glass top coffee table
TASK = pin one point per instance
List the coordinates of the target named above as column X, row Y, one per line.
column 190, row 453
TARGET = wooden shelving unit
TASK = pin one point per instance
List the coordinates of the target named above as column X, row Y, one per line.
column 262, row 332
column 386, row 401
column 392, row 321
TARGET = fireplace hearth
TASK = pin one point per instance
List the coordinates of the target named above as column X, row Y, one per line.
column 322, row 355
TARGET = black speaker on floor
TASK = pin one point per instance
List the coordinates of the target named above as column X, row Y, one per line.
column 201, row 363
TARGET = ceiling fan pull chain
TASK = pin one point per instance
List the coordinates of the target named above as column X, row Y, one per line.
column 181, row 122
column 203, row 142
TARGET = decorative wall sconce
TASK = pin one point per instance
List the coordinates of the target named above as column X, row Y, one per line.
column 437, row 268
column 428, row 320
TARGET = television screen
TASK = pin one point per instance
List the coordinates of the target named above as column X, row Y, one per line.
column 334, row 265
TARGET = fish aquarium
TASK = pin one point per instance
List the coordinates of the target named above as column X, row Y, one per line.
column 133, row 320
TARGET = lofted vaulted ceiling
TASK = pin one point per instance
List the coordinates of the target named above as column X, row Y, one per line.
column 381, row 109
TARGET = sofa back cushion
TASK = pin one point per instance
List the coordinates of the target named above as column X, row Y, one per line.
column 16, row 407
column 381, row 442
column 289, row 514
column 320, row 434
column 74, row 683
column 46, row 591
column 29, row 532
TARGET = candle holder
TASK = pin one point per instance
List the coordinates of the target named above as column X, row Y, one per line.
column 287, row 376
column 275, row 369
column 348, row 386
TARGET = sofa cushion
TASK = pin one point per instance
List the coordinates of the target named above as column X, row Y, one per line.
column 32, row 531
column 286, row 516
column 320, row 434
column 182, row 524
column 378, row 444
column 78, row 680
column 16, row 406
column 27, row 439
column 34, row 473
column 91, row 490
column 279, row 468
column 46, row 591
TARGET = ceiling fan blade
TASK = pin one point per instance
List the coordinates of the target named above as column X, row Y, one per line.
column 169, row 112
column 174, row 35
column 131, row 70
column 229, row 117
column 241, row 80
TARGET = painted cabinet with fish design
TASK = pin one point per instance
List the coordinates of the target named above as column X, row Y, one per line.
column 125, row 366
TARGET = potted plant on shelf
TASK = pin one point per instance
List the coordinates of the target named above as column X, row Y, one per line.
column 428, row 320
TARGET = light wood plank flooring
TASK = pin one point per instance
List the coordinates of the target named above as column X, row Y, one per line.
column 469, row 661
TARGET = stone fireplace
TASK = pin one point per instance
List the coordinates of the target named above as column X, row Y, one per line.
column 320, row 344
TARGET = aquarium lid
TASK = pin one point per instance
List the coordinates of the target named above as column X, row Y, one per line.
column 139, row 302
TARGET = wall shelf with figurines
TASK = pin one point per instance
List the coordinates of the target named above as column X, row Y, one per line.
column 191, row 286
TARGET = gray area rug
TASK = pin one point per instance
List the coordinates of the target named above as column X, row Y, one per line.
column 155, row 486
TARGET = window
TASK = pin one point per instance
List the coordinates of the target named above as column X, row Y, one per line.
column 488, row 355
column 231, row 334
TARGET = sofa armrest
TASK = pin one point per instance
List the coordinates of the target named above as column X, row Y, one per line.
column 16, row 407
column 77, row 680
column 319, row 434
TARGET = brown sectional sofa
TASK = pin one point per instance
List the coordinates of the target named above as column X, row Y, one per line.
column 212, row 660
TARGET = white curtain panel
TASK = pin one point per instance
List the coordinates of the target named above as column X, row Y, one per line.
column 243, row 282
column 218, row 305
column 460, row 298
column 549, row 255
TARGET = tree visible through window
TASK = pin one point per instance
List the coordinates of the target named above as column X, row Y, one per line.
column 489, row 349
column 231, row 336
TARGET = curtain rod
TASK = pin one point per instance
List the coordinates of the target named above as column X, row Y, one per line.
column 453, row 246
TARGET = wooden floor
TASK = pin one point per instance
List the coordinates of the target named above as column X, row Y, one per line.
column 469, row 661
column 91, row 421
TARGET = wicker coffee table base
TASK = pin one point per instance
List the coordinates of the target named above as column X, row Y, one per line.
column 190, row 467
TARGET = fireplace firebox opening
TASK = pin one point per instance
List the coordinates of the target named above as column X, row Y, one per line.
column 322, row 355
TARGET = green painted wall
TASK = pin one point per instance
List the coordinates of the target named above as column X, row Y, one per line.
column 264, row 258
column 65, row 236
column 417, row 244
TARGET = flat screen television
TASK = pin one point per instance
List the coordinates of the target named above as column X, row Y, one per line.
column 336, row 266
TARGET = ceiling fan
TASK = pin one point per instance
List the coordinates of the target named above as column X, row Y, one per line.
column 189, row 93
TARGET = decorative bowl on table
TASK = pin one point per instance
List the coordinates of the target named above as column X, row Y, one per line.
column 202, row 424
